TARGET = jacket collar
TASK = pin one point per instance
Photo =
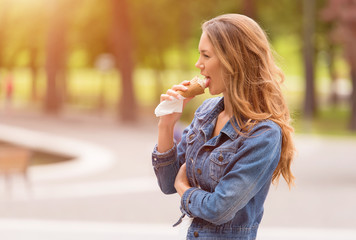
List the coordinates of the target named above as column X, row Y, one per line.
column 210, row 118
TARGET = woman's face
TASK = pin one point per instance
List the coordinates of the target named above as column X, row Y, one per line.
column 210, row 66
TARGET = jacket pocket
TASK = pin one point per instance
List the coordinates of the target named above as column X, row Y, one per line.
column 191, row 138
column 218, row 163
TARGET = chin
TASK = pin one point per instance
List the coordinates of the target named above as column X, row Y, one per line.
column 214, row 92
column 211, row 91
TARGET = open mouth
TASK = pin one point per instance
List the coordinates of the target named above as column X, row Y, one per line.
column 207, row 83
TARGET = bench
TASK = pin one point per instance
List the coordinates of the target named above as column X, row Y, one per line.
column 14, row 160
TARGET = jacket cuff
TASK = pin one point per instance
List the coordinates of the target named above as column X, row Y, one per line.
column 185, row 201
column 165, row 158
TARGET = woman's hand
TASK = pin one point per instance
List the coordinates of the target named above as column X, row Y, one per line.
column 171, row 94
column 181, row 183
column 167, row 122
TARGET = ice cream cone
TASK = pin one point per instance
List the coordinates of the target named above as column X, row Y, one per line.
column 196, row 87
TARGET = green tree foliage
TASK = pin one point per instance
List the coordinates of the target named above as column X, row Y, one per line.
column 89, row 31
column 164, row 33
column 342, row 13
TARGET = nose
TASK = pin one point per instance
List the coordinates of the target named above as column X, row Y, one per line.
column 199, row 65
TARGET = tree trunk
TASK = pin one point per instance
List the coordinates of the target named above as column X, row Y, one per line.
column 3, row 16
column 249, row 8
column 343, row 12
column 309, row 25
column 185, row 30
column 334, row 97
column 353, row 101
column 34, row 73
column 124, row 54
column 55, row 59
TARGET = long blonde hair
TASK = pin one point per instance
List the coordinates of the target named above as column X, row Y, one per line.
column 252, row 80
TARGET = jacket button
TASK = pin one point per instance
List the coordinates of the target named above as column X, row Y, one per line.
column 221, row 158
column 199, row 171
column 196, row 234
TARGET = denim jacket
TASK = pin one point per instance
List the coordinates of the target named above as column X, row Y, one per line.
column 230, row 174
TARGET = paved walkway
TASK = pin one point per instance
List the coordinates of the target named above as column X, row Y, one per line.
column 109, row 190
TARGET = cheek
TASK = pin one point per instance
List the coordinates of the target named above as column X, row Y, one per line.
column 217, row 70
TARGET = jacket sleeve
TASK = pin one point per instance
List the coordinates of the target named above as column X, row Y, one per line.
column 166, row 165
column 255, row 162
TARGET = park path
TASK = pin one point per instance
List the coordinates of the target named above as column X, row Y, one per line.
column 110, row 191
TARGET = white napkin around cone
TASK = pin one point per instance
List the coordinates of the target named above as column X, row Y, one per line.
column 170, row 106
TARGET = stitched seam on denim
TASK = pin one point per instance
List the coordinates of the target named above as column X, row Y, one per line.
column 164, row 164
column 241, row 200
column 166, row 154
column 247, row 193
column 194, row 162
column 187, row 201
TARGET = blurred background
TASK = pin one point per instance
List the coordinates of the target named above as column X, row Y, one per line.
column 79, row 81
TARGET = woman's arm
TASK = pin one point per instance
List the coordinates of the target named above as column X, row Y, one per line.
column 254, row 165
column 181, row 183
column 165, row 136
column 167, row 122
column 165, row 155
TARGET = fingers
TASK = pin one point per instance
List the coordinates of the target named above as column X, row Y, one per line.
column 172, row 93
column 179, row 88
column 166, row 97
column 185, row 83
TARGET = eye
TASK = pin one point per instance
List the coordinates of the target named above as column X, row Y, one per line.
column 204, row 54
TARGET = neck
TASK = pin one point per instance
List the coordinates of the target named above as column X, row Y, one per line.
column 227, row 106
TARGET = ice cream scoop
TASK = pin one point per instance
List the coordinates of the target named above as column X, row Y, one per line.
column 196, row 87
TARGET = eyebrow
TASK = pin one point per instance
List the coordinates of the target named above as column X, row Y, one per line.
column 203, row 51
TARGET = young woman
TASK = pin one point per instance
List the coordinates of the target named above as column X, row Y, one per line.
column 237, row 144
